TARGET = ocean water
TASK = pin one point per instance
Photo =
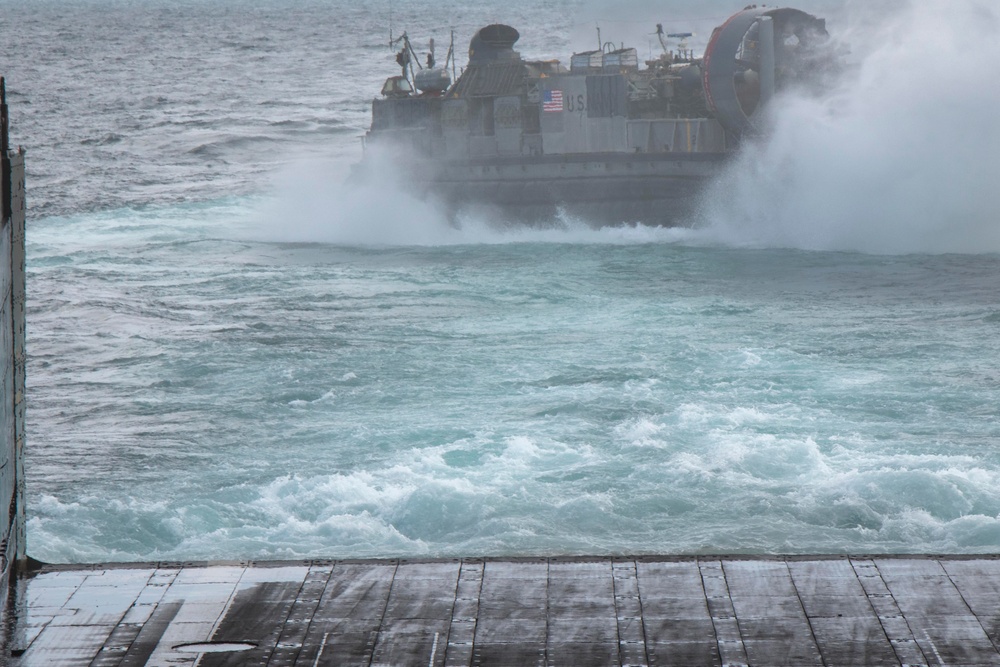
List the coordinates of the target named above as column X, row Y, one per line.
column 234, row 355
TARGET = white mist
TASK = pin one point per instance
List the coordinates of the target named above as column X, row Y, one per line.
column 901, row 158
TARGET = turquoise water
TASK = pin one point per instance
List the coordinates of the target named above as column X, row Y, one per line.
column 232, row 355
column 618, row 391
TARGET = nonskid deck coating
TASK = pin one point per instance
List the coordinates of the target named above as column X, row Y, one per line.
column 735, row 610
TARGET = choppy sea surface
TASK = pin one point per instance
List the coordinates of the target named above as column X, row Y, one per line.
column 234, row 355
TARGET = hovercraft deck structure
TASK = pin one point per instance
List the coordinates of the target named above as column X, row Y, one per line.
column 605, row 139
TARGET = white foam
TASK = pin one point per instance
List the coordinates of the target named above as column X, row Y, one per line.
column 743, row 415
column 640, row 432
column 325, row 398
column 316, row 202
column 520, row 450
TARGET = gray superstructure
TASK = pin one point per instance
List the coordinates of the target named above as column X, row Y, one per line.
column 607, row 139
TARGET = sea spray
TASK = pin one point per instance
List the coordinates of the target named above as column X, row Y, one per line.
column 900, row 157
column 324, row 202
column 384, row 205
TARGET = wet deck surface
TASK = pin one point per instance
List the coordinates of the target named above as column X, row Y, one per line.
column 574, row 612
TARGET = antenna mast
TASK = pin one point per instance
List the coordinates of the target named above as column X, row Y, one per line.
column 451, row 55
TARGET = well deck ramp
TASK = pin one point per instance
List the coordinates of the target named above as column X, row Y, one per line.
column 736, row 610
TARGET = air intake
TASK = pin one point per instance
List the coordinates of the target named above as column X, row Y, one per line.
column 492, row 43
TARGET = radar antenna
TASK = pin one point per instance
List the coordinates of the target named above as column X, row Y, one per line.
column 406, row 56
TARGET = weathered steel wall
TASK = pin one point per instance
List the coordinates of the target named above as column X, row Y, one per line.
column 12, row 357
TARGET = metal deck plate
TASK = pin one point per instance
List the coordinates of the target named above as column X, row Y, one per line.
column 475, row 612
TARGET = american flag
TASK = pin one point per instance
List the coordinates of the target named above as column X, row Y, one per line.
column 552, row 100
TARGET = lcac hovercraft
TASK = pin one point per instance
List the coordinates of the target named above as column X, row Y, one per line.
column 607, row 139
